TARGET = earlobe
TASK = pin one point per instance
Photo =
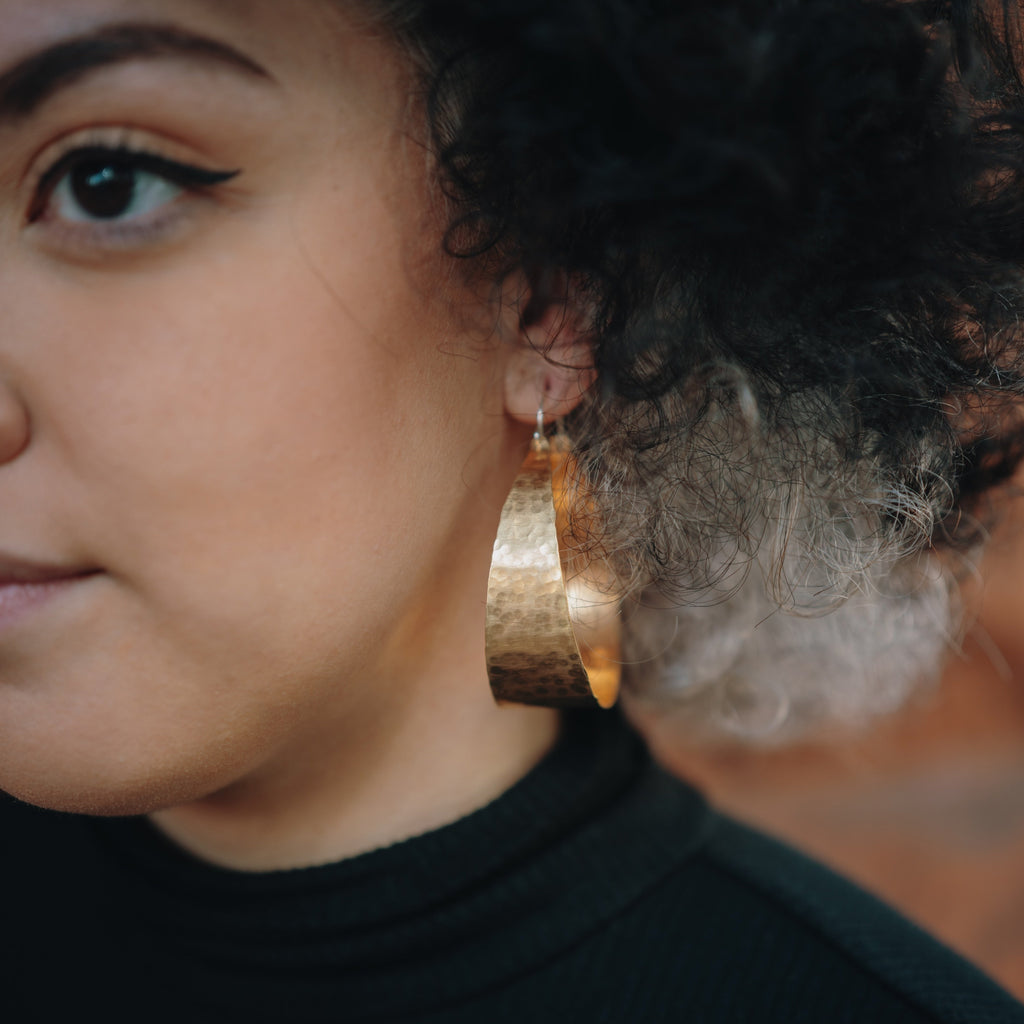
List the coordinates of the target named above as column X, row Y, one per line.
column 549, row 364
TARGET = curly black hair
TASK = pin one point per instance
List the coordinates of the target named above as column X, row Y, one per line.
column 798, row 228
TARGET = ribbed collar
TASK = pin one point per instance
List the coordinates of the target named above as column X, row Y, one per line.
column 428, row 921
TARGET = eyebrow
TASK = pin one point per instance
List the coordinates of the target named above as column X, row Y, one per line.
column 33, row 80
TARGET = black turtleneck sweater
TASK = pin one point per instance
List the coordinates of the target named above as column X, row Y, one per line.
column 596, row 890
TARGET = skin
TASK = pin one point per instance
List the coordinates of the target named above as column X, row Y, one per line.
column 280, row 425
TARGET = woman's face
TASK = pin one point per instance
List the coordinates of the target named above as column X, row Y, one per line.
column 237, row 424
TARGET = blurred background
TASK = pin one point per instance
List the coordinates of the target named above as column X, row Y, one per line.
column 927, row 809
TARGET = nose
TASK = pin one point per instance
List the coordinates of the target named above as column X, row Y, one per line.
column 15, row 425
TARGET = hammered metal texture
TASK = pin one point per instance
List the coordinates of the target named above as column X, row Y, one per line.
column 532, row 655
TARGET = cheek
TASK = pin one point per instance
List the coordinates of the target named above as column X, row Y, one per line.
column 265, row 475
column 269, row 400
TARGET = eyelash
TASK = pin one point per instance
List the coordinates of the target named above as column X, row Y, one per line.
column 100, row 233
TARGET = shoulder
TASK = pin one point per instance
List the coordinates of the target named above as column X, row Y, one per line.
column 668, row 911
column 761, row 924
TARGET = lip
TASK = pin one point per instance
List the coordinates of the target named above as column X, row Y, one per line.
column 15, row 571
column 27, row 586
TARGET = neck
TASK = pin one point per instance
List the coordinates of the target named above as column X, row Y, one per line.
column 369, row 784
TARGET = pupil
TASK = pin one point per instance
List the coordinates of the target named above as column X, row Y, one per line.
column 103, row 190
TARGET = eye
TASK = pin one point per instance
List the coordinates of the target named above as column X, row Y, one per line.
column 110, row 190
column 96, row 185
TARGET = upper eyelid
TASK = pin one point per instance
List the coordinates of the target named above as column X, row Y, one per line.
column 108, row 138
column 146, row 159
column 111, row 137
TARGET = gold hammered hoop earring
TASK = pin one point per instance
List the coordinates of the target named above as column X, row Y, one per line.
column 533, row 656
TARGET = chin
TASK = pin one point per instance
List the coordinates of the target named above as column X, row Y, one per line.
column 104, row 789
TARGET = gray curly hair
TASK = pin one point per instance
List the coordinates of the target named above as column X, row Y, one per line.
column 802, row 591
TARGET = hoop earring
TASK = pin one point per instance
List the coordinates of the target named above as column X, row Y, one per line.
column 532, row 652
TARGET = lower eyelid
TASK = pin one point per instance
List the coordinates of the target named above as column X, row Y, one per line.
column 96, row 242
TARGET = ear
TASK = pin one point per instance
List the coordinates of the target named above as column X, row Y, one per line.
column 549, row 357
